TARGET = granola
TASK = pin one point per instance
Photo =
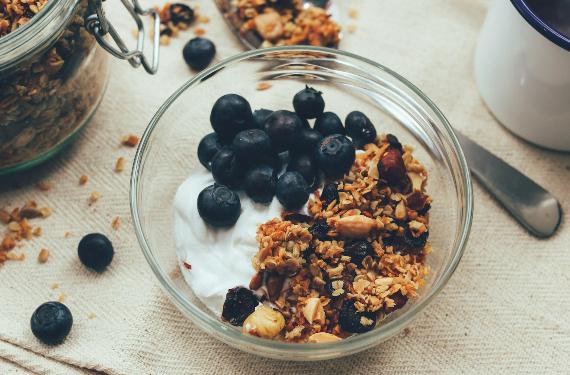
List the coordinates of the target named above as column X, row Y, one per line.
column 361, row 255
column 50, row 94
column 286, row 23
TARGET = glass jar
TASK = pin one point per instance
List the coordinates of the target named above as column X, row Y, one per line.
column 53, row 76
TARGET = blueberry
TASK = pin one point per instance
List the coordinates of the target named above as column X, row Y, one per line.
column 320, row 230
column 95, row 251
column 350, row 319
column 283, row 128
column 335, row 155
column 51, row 322
column 309, row 103
column 251, row 144
column 307, row 141
column 259, row 117
column 199, row 53
column 292, row 190
column 181, row 13
column 360, row 128
column 226, row 168
column 329, row 123
column 358, row 250
column 305, row 166
column 260, row 183
column 329, row 194
column 239, row 304
column 231, row 114
column 207, row 148
column 219, row 206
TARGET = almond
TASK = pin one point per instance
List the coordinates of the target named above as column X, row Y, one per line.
column 356, row 226
column 323, row 337
column 313, row 311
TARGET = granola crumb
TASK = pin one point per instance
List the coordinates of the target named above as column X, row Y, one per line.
column 94, row 197
column 16, row 13
column 66, row 234
column 353, row 13
column 351, row 28
column 261, row 86
column 120, row 164
column 44, row 185
column 54, row 286
column 199, row 31
column 130, row 140
column 91, row 316
column 116, row 223
column 164, row 40
column 61, row 298
column 43, row 256
column 83, row 179
column 203, row 19
column 37, row 231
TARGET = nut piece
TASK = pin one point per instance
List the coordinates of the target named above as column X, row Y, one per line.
column 401, row 213
column 323, row 337
column 269, row 25
column 357, row 226
column 274, row 284
column 43, row 255
column 417, row 181
column 391, row 167
column 313, row 311
column 264, row 322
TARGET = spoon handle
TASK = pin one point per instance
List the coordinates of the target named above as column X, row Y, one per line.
column 534, row 207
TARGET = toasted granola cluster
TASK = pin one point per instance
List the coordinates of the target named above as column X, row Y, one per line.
column 359, row 256
column 287, row 22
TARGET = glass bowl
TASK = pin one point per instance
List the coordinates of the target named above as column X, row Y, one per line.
column 167, row 155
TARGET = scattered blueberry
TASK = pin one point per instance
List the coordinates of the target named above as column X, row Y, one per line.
column 335, row 155
column 305, row 166
column 219, row 206
column 358, row 250
column 292, row 190
column 207, row 148
column 328, row 124
column 260, row 183
column 283, row 128
column 95, row 251
column 181, row 13
column 251, row 144
column 231, row 114
column 350, row 319
column 226, row 168
column 309, row 103
column 199, row 53
column 320, row 230
column 360, row 128
column 307, row 141
column 51, row 322
column 329, row 194
column 239, row 304
column 259, row 117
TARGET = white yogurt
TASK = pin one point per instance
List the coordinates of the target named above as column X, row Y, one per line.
column 221, row 258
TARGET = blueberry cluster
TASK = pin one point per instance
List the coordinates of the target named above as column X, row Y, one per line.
column 248, row 150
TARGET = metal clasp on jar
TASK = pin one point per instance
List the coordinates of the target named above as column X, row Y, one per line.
column 98, row 25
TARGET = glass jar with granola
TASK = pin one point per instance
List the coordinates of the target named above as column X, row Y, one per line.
column 52, row 75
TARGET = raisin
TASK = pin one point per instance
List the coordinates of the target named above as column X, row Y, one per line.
column 424, row 210
column 320, row 230
column 329, row 194
column 181, row 13
column 350, row 319
column 239, row 304
column 296, row 217
column 399, row 300
column 358, row 250
column 394, row 142
column 415, row 243
column 416, row 201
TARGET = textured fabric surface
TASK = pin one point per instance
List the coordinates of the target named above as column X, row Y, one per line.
column 504, row 311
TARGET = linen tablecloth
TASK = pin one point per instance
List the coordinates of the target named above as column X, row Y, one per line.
column 505, row 310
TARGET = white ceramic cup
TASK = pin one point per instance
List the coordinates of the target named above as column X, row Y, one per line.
column 522, row 68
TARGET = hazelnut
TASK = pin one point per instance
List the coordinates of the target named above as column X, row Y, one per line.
column 264, row 322
column 356, row 226
column 391, row 167
column 313, row 311
column 323, row 337
column 269, row 25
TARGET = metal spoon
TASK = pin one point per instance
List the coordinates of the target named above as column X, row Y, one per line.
column 534, row 207
column 251, row 39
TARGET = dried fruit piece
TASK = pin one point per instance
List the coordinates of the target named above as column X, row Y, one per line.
column 264, row 322
column 358, row 250
column 353, row 321
column 329, row 194
column 320, row 230
column 239, row 304
column 130, row 140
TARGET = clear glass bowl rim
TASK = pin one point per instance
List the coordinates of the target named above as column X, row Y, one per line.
column 235, row 337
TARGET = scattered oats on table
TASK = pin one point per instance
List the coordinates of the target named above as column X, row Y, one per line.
column 130, row 140
column 45, row 185
column 43, row 255
column 116, row 223
column 120, row 164
column 83, row 179
column 94, row 197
